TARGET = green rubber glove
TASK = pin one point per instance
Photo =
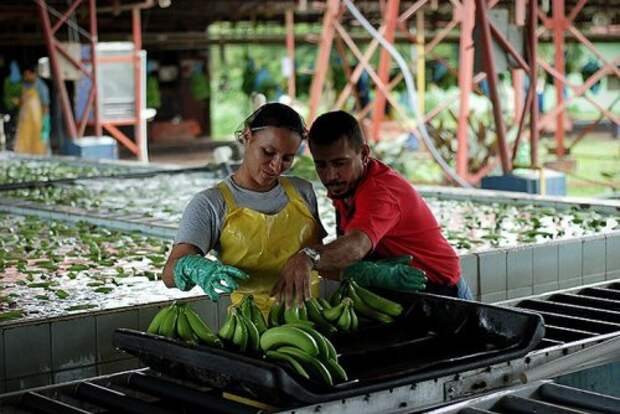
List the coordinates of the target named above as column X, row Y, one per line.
column 393, row 274
column 212, row 276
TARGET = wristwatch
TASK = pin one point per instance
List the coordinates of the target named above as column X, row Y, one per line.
column 313, row 255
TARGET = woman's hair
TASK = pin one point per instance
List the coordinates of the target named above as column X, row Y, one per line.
column 273, row 115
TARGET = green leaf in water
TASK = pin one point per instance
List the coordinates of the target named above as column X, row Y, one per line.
column 11, row 315
column 104, row 290
column 61, row 294
column 83, row 306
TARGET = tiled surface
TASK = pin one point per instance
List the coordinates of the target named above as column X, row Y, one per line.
column 492, row 270
column 222, row 310
column 612, row 247
column 545, row 274
column 469, row 270
column 106, row 325
column 207, row 310
column 569, row 263
column 73, row 343
column 146, row 315
column 519, row 270
column 593, row 259
column 2, row 360
column 118, row 366
column 30, row 381
column 34, row 359
column 74, row 374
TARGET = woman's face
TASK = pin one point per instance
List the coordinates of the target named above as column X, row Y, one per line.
column 269, row 152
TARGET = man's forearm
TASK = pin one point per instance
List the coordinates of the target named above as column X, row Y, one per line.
column 342, row 252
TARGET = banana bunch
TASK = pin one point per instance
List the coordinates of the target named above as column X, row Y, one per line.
column 315, row 308
column 305, row 350
column 369, row 304
column 279, row 315
column 181, row 321
column 342, row 315
column 252, row 312
column 240, row 331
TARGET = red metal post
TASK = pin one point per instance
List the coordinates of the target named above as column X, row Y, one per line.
column 93, row 63
column 489, row 65
column 322, row 61
column 466, row 71
column 137, row 44
column 559, row 25
column 290, row 48
column 67, row 112
column 517, row 85
column 533, row 50
column 390, row 19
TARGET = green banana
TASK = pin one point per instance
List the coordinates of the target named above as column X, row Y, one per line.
column 158, row 319
column 303, row 312
column 315, row 315
column 336, row 297
column 168, row 325
column 240, row 337
column 291, row 315
column 245, row 307
column 363, row 309
column 378, row 302
column 332, row 314
column 344, row 321
column 184, row 330
column 289, row 335
column 324, row 351
column 253, row 334
column 324, row 303
column 331, row 350
column 228, row 329
column 279, row 356
column 257, row 317
column 200, row 329
column 354, row 320
column 310, row 363
column 338, row 373
column 275, row 315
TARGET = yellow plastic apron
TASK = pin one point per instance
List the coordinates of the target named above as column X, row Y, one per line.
column 260, row 244
column 28, row 137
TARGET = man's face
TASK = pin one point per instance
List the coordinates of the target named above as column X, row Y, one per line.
column 29, row 75
column 339, row 166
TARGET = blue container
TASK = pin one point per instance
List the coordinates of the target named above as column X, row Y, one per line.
column 527, row 181
column 92, row 148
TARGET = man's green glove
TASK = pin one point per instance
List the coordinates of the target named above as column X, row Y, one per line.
column 213, row 277
column 394, row 274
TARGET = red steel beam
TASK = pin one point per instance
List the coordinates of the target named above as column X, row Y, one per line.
column 56, row 72
column 116, row 133
column 71, row 60
column 290, row 49
column 466, row 71
column 66, row 16
column 390, row 19
column 322, row 61
column 529, row 100
column 532, row 39
column 499, row 37
column 559, row 25
column 94, row 38
column 489, row 64
column 137, row 44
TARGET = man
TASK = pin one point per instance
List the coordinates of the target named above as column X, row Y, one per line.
column 379, row 216
column 33, row 122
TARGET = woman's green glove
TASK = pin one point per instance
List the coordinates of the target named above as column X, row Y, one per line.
column 393, row 273
column 212, row 276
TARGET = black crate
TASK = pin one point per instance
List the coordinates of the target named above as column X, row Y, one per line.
column 435, row 336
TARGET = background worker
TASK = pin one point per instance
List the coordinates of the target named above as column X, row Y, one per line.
column 33, row 121
column 379, row 216
column 255, row 219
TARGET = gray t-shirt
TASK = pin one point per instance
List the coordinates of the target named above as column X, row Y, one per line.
column 203, row 217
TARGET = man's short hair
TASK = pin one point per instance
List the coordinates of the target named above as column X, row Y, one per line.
column 332, row 126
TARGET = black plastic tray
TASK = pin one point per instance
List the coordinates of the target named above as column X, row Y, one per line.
column 436, row 336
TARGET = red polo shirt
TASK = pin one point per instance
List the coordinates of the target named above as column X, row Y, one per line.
column 398, row 221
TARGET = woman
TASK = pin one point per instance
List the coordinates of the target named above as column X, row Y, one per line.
column 255, row 219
